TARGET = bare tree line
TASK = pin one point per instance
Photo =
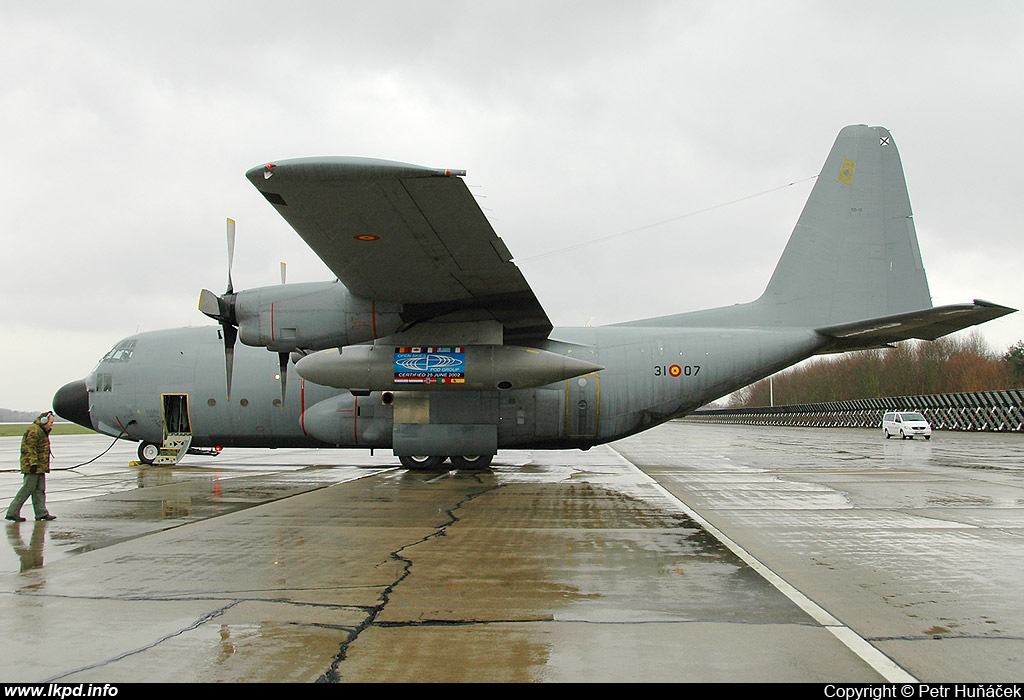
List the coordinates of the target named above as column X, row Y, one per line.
column 953, row 364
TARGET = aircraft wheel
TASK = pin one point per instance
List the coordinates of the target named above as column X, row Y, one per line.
column 420, row 462
column 148, row 452
column 471, row 462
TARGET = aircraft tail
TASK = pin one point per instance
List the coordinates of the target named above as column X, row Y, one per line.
column 852, row 268
column 854, row 253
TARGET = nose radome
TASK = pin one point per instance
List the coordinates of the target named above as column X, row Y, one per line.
column 71, row 402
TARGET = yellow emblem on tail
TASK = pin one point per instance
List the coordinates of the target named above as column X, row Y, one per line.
column 846, row 172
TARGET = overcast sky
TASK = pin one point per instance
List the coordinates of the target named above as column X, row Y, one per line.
column 129, row 127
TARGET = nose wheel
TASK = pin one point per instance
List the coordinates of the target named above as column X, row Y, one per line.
column 148, row 452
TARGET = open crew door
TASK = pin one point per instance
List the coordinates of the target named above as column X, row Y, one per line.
column 177, row 429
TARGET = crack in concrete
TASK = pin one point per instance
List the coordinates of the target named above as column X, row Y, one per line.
column 331, row 675
column 202, row 597
column 203, row 619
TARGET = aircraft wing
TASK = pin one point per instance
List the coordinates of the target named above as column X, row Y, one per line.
column 927, row 324
column 397, row 232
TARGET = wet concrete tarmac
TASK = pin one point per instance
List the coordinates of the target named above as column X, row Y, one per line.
column 791, row 555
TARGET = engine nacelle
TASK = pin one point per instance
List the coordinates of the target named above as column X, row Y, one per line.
column 311, row 316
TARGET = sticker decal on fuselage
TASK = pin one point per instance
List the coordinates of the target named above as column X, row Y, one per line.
column 429, row 365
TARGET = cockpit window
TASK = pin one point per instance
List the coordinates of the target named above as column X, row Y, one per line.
column 122, row 352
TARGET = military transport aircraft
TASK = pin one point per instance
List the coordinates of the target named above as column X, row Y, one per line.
column 432, row 344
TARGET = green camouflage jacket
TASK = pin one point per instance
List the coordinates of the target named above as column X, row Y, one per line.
column 35, row 450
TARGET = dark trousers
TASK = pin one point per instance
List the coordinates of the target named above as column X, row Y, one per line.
column 33, row 485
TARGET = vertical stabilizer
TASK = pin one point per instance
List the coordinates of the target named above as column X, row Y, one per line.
column 852, row 269
column 854, row 253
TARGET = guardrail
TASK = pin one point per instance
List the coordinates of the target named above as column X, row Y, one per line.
column 995, row 411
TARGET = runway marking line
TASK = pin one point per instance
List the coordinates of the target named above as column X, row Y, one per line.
column 874, row 658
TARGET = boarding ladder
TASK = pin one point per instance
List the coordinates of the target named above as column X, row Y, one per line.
column 173, row 449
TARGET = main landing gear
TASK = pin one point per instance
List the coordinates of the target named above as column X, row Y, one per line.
column 464, row 462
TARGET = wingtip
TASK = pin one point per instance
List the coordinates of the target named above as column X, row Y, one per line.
column 993, row 305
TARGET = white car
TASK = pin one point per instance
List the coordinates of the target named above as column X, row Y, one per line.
column 906, row 424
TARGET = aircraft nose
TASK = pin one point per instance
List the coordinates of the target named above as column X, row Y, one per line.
column 71, row 402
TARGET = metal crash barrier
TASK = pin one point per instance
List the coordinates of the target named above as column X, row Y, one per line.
column 995, row 411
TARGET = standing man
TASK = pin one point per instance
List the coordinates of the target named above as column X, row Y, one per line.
column 35, row 465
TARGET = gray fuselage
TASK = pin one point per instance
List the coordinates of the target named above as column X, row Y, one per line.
column 650, row 375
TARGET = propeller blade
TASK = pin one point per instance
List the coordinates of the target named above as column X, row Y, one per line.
column 283, row 359
column 230, row 335
column 210, row 304
column 222, row 310
column 231, row 253
column 283, row 269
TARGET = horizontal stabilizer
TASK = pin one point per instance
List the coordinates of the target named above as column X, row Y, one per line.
column 927, row 324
